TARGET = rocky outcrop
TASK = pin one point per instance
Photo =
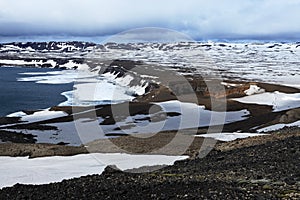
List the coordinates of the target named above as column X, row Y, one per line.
column 120, row 67
column 290, row 116
column 39, row 150
column 16, row 137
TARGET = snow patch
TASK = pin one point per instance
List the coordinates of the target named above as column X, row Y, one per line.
column 278, row 126
column 226, row 137
column 17, row 114
column 89, row 87
column 39, row 115
column 280, row 101
column 96, row 92
column 54, row 169
column 72, row 65
column 201, row 118
column 254, row 89
column 56, row 77
column 231, row 84
column 125, row 82
column 20, row 62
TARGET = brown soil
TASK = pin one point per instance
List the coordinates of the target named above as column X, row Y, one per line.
column 146, row 144
column 154, row 144
column 259, row 140
column 39, row 150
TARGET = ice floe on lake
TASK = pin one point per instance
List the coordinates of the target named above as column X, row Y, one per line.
column 90, row 88
column 56, row 77
column 38, row 115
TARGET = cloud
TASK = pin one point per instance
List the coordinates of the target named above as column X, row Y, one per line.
column 149, row 34
column 197, row 18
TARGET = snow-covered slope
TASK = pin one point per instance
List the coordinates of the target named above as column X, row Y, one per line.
column 55, row 169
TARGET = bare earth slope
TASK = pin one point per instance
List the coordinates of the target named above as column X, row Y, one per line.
column 265, row 171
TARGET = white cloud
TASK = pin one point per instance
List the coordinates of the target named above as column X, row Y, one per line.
column 199, row 18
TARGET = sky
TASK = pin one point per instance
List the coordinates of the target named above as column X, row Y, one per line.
column 199, row 19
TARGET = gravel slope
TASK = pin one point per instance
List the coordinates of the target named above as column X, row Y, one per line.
column 265, row 171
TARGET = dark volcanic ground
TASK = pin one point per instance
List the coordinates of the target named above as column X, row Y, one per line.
column 266, row 171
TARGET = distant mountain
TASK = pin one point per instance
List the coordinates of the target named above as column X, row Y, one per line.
column 46, row 46
column 231, row 60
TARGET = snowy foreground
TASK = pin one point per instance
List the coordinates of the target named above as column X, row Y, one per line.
column 54, row 169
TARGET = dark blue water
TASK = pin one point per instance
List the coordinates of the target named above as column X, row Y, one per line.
column 17, row 96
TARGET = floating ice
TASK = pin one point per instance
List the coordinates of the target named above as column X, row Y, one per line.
column 38, row 115
column 56, row 77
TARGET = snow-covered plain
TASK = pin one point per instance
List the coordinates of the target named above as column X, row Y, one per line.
column 266, row 62
column 258, row 61
column 54, row 169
